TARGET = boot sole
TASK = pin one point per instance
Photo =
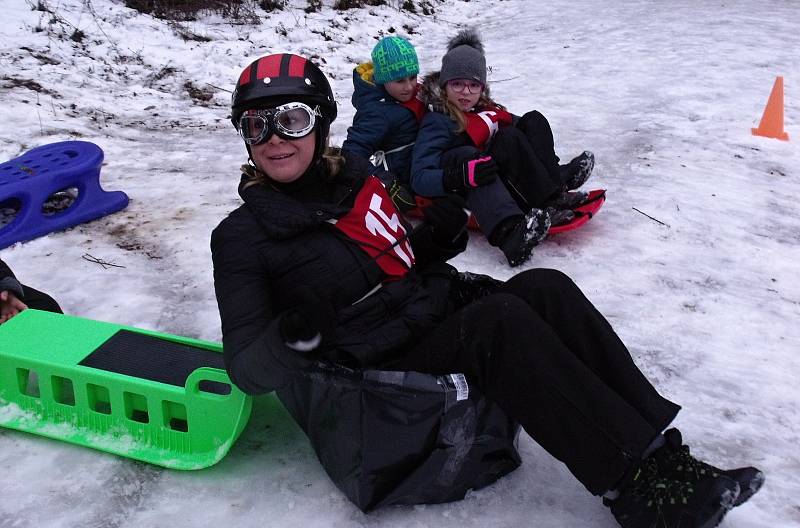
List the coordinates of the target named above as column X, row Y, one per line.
column 721, row 498
column 753, row 486
column 727, row 500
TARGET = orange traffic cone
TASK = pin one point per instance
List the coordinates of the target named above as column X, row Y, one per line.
column 771, row 125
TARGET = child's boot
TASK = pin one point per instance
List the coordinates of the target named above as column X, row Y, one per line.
column 567, row 200
column 517, row 236
column 560, row 216
column 576, row 172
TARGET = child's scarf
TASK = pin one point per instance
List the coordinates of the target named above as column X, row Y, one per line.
column 483, row 125
column 416, row 106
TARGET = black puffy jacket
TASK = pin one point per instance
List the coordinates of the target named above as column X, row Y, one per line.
column 9, row 282
column 280, row 239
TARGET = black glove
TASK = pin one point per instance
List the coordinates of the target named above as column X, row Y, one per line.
column 309, row 323
column 401, row 196
column 447, row 218
column 470, row 174
column 469, row 287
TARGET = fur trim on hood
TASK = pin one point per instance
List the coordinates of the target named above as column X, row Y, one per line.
column 365, row 70
column 431, row 95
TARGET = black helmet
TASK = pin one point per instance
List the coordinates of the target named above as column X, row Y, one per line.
column 278, row 78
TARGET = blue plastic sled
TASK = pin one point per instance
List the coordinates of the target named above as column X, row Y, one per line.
column 31, row 178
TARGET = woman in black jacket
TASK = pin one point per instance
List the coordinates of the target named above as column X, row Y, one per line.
column 316, row 265
column 16, row 297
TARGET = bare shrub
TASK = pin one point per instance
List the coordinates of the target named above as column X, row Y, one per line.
column 272, row 5
column 343, row 5
column 313, row 6
column 199, row 95
column 191, row 9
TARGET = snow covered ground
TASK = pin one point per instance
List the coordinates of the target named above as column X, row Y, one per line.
column 665, row 94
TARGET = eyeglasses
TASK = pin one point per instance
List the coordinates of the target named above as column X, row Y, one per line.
column 289, row 121
column 459, row 85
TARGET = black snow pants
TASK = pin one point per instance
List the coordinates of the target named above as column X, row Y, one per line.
column 542, row 351
column 528, row 163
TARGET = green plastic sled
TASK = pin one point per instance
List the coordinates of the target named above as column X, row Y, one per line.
column 140, row 394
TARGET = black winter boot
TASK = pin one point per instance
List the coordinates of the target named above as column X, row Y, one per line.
column 518, row 242
column 675, row 460
column 560, row 216
column 576, row 172
column 567, row 200
column 648, row 499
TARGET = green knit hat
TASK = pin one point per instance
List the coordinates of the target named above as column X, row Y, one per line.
column 393, row 58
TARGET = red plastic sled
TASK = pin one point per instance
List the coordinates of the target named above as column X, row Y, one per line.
column 583, row 214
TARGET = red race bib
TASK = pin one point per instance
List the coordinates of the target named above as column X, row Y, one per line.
column 375, row 225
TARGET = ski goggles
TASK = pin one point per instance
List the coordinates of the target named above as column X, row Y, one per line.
column 289, row 121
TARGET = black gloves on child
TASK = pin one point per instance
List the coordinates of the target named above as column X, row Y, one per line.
column 447, row 218
column 470, row 174
column 306, row 325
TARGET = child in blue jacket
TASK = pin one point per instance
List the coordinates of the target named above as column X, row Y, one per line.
column 504, row 165
column 387, row 115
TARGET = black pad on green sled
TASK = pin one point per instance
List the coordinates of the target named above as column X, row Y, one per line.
column 152, row 358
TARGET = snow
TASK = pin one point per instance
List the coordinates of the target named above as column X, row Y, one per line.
column 664, row 94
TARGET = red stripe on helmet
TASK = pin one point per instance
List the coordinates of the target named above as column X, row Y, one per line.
column 297, row 66
column 269, row 66
column 244, row 78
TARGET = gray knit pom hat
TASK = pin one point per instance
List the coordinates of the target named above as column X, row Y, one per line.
column 464, row 58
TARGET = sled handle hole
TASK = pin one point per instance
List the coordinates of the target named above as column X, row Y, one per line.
column 60, row 201
column 136, row 407
column 214, row 387
column 28, row 382
column 175, row 416
column 63, row 391
column 99, row 398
